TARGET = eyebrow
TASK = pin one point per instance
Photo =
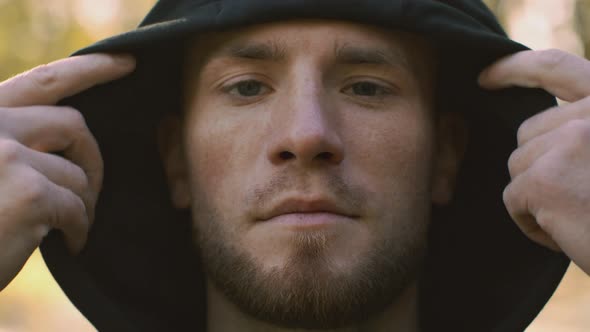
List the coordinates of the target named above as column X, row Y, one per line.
column 344, row 54
column 255, row 51
column 354, row 55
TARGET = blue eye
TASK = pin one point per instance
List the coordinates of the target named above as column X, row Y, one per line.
column 249, row 88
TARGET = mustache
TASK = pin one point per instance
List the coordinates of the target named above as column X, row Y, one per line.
column 330, row 185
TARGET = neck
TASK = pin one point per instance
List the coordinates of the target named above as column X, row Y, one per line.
column 224, row 316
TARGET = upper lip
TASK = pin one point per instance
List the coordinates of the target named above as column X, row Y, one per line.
column 302, row 205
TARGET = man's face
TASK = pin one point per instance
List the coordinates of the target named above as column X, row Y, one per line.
column 310, row 154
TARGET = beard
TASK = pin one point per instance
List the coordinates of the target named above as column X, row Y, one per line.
column 308, row 291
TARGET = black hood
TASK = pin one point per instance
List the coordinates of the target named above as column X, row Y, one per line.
column 139, row 271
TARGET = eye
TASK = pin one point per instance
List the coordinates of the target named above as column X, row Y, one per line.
column 248, row 88
column 367, row 89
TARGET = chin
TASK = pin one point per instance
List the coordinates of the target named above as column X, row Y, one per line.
column 325, row 278
column 316, row 285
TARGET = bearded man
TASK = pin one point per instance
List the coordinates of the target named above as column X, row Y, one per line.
column 289, row 165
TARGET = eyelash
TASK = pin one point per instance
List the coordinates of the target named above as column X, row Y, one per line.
column 234, row 86
column 382, row 91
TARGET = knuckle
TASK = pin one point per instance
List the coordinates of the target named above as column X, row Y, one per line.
column 552, row 58
column 33, row 188
column 544, row 222
column 80, row 183
column 73, row 216
column 524, row 130
column 43, row 77
column 513, row 162
column 509, row 196
column 532, row 126
column 40, row 232
column 9, row 151
column 506, row 197
column 74, row 119
column 80, row 208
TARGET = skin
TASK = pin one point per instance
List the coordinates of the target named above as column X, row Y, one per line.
column 304, row 129
column 41, row 190
column 549, row 195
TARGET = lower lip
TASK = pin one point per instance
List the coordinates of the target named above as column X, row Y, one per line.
column 310, row 220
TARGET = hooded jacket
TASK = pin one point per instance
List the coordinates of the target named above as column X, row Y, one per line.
column 139, row 271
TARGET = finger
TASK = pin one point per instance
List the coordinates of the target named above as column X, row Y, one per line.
column 45, row 128
column 48, row 84
column 66, row 212
column 60, row 171
column 57, row 169
column 57, row 129
column 564, row 75
column 48, row 205
column 517, row 202
column 553, row 118
column 525, row 156
column 65, row 174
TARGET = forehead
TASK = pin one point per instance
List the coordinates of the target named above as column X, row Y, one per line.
column 284, row 40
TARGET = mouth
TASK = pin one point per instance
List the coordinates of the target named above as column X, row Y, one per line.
column 301, row 213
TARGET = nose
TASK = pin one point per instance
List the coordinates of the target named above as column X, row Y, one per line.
column 305, row 132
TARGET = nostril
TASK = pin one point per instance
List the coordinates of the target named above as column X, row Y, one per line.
column 325, row 156
column 286, row 155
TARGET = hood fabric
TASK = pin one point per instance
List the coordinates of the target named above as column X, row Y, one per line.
column 139, row 270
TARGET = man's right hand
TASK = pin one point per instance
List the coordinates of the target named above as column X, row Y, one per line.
column 40, row 190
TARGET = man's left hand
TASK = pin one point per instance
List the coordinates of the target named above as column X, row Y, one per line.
column 549, row 195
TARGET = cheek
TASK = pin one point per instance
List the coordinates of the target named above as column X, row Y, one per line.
column 393, row 158
column 211, row 155
column 398, row 146
column 220, row 157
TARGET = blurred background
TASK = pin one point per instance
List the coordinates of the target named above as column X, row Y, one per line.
column 33, row 32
